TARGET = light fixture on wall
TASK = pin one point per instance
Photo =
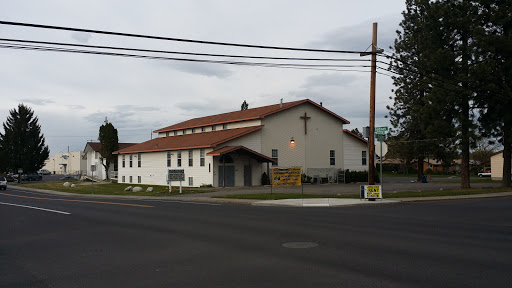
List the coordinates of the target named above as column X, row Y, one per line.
column 292, row 141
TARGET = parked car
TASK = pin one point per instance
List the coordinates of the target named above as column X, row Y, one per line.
column 3, row 182
column 44, row 172
column 31, row 177
column 485, row 174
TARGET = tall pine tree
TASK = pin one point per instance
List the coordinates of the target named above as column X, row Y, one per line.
column 423, row 130
column 494, row 71
column 22, row 145
column 109, row 143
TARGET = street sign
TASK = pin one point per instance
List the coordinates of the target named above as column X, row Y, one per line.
column 381, row 130
column 176, row 175
column 381, row 137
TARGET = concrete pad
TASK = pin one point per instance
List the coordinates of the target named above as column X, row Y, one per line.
column 320, row 202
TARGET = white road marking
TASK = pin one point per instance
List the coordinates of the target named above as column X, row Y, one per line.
column 31, row 207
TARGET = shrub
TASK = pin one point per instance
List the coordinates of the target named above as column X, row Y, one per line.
column 264, row 179
column 360, row 176
column 305, row 178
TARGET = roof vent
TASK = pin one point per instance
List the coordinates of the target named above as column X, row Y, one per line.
column 321, row 104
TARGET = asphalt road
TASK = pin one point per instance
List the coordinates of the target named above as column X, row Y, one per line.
column 174, row 244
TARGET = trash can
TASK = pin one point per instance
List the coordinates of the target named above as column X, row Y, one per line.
column 423, row 179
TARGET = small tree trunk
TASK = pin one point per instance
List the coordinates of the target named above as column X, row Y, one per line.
column 507, row 157
column 420, row 167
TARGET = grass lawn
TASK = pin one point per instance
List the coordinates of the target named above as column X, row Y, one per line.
column 112, row 188
column 432, row 193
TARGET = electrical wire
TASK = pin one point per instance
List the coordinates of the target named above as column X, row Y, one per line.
column 179, row 52
column 173, row 39
column 262, row 64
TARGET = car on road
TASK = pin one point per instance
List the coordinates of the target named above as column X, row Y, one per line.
column 31, row 177
column 485, row 173
column 44, row 172
column 3, row 183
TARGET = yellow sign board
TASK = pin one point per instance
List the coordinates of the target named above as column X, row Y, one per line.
column 371, row 192
column 286, row 177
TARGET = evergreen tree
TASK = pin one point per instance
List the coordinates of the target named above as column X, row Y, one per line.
column 494, row 71
column 356, row 132
column 109, row 143
column 22, row 145
column 244, row 106
column 423, row 127
column 434, row 57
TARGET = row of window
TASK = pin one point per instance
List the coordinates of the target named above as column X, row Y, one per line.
column 193, row 130
column 332, row 157
column 139, row 180
column 123, row 179
column 275, row 157
column 190, row 158
column 130, row 160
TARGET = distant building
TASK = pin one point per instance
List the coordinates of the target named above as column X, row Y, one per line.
column 92, row 157
column 497, row 166
column 234, row 149
column 66, row 163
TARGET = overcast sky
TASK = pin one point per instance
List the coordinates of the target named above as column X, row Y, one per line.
column 73, row 93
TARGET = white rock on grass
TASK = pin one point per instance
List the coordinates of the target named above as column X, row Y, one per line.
column 150, row 189
column 137, row 189
column 66, row 184
column 129, row 188
column 73, row 185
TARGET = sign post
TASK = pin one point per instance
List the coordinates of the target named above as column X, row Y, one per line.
column 380, row 132
column 93, row 168
column 175, row 175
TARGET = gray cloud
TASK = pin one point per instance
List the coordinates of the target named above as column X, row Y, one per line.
column 81, row 37
column 339, row 80
column 37, row 101
column 204, row 69
column 76, row 107
column 359, row 37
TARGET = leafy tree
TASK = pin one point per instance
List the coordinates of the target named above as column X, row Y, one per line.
column 22, row 145
column 109, row 143
column 244, row 106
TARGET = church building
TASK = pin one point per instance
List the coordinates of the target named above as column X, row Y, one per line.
column 236, row 148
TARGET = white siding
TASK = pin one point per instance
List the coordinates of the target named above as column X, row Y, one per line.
column 153, row 170
column 352, row 151
column 311, row 151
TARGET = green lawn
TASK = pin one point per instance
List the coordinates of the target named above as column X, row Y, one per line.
column 112, row 188
column 432, row 193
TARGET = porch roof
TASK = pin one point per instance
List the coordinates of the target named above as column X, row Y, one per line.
column 241, row 150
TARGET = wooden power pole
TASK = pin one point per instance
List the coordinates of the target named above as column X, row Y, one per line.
column 371, row 140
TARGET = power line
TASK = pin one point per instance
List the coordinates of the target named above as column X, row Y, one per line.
column 180, row 52
column 262, row 64
column 173, row 39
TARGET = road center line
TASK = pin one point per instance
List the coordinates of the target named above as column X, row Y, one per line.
column 31, row 207
column 83, row 201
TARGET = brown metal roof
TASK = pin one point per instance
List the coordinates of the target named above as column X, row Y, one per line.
column 241, row 150
column 242, row 115
column 189, row 141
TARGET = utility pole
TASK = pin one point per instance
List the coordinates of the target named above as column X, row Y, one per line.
column 371, row 140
